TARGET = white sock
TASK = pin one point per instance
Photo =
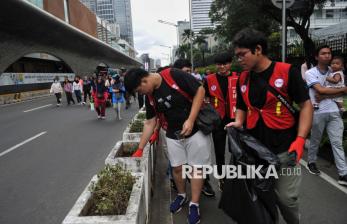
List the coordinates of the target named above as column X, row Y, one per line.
column 192, row 203
column 183, row 195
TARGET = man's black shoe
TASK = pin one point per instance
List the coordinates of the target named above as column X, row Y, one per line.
column 342, row 180
column 312, row 168
column 207, row 189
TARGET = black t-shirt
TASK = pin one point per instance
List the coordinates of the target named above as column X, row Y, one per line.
column 276, row 140
column 223, row 83
column 174, row 106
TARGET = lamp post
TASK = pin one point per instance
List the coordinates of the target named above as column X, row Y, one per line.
column 171, row 24
column 169, row 52
column 191, row 34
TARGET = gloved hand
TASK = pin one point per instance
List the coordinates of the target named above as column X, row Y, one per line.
column 297, row 147
column 154, row 137
column 137, row 153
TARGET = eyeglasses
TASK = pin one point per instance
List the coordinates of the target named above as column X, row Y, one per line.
column 241, row 55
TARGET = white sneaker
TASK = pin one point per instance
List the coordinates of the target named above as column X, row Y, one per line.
column 99, row 116
column 103, row 117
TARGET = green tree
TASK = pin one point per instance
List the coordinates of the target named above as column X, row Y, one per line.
column 183, row 51
column 200, row 41
column 233, row 15
column 187, row 35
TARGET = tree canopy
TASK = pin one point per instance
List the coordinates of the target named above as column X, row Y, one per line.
column 233, row 15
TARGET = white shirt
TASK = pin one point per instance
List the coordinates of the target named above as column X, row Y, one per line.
column 56, row 88
column 77, row 86
column 340, row 84
column 314, row 76
column 197, row 76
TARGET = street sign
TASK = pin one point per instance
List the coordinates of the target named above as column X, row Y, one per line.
column 278, row 3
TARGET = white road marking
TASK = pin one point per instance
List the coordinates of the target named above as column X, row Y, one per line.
column 327, row 178
column 22, row 143
column 37, row 108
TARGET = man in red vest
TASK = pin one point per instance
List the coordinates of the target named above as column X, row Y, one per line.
column 221, row 93
column 186, row 144
column 267, row 118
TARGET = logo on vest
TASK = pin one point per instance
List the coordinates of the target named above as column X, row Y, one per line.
column 279, row 83
column 213, row 88
column 243, row 88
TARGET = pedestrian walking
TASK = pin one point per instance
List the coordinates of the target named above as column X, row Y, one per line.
column 77, row 88
column 87, row 88
column 100, row 95
column 117, row 89
column 57, row 90
column 68, row 90
column 326, row 114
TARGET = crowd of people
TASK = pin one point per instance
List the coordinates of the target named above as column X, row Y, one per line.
column 260, row 100
column 100, row 90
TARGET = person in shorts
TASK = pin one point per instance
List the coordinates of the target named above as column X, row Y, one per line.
column 185, row 142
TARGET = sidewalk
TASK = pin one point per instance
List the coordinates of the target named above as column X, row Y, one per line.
column 321, row 202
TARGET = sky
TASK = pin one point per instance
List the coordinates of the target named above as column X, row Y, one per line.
column 149, row 34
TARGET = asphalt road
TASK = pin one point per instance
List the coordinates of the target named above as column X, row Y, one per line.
column 41, row 179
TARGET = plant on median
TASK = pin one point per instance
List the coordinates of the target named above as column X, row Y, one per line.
column 127, row 149
column 110, row 195
column 136, row 126
column 141, row 116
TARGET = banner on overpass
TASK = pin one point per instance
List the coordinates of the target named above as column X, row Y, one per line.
column 31, row 78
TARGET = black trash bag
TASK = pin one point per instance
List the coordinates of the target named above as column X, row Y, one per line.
column 249, row 200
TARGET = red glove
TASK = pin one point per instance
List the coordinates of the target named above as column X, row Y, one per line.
column 298, row 147
column 137, row 153
column 154, row 137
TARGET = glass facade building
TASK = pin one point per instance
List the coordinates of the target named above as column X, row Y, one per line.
column 124, row 19
column 200, row 10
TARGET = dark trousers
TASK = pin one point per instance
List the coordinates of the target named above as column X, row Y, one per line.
column 78, row 96
column 69, row 98
column 219, row 136
column 85, row 94
column 58, row 96
column 100, row 107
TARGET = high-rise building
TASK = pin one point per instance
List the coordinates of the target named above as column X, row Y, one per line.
column 200, row 18
column 114, row 11
column 91, row 5
column 105, row 10
column 123, row 17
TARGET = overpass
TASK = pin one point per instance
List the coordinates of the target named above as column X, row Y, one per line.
column 26, row 29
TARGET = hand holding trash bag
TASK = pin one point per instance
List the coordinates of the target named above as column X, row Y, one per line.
column 154, row 137
column 297, row 147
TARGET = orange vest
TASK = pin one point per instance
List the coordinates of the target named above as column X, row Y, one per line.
column 217, row 99
column 274, row 113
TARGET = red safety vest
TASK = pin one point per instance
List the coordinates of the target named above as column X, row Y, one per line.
column 166, row 75
column 274, row 113
column 217, row 99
